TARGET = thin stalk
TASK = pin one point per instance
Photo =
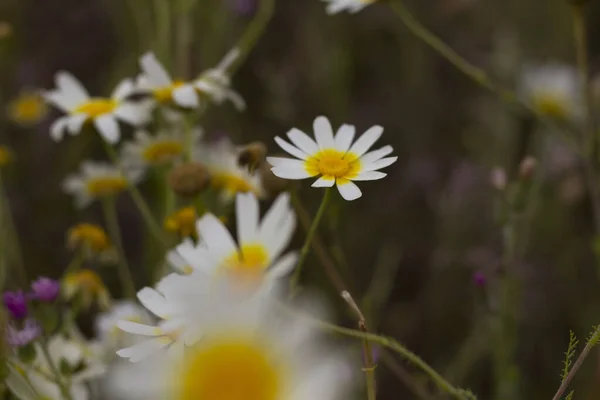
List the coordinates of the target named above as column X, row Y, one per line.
column 66, row 393
column 112, row 223
column 139, row 201
column 309, row 237
column 183, row 38
column 162, row 15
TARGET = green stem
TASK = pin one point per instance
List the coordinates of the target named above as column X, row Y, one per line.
column 309, row 238
column 139, row 201
column 184, row 35
column 162, row 15
column 63, row 388
column 110, row 215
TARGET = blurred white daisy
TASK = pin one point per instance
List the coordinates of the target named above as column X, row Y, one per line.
column 336, row 160
column 165, row 90
column 227, row 176
column 107, row 332
column 72, row 98
column 98, row 180
column 352, row 6
column 162, row 148
column 256, row 258
column 553, row 90
column 27, row 384
column 256, row 354
column 215, row 82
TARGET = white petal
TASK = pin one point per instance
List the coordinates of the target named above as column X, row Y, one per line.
column 247, row 214
column 323, row 133
column 349, row 190
column 18, row 385
column 376, row 154
column 215, row 234
column 323, row 182
column 344, row 137
column 108, row 127
column 144, row 349
column 381, row 163
column 60, row 100
column 296, row 152
column 156, row 73
column 278, row 238
column 123, row 89
column 75, row 122
column 290, row 173
column 283, row 266
column 176, row 350
column 58, row 127
column 132, row 113
column 369, row 176
column 138, row 329
column 154, row 302
column 71, row 87
column 276, row 215
column 186, row 96
column 303, row 141
column 368, row 139
column 285, row 163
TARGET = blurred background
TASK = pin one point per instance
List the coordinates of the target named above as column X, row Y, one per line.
column 423, row 249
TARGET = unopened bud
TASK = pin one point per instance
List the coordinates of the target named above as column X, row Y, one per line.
column 527, row 168
column 272, row 184
column 189, row 179
column 252, row 156
column 498, row 178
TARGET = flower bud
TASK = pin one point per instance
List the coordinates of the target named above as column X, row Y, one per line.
column 252, row 156
column 16, row 304
column 189, row 179
column 45, row 289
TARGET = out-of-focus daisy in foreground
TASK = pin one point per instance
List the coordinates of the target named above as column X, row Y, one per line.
column 352, row 6
column 27, row 108
column 226, row 175
column 99, row 180
column 336, row 160
column 553, row 90
column 256, row 354
column 105, row 113
column 256, row 257
column 109, row 335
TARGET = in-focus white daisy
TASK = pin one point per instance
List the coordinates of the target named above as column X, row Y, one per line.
column 352, row 6
column 72, row 98
column 336, row 160
column 256, row 257
column 227, row 176
column 165, row 90
column 553, row 90
column 107, row 331
column 215, row 82
column 162, row 148
column 98, row 180
column 260, row 354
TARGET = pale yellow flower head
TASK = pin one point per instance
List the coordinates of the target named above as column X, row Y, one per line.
column 89, row 286
column 27, row 108
column 89, row 237
column 183, row 222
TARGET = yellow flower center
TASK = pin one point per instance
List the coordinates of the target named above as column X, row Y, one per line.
column 333, row 164
column 230, row 370
column 162, row 152
column 96, row 107
column 28, row 108
column 106, row 186
column 551, row 105
column 248, row 263
column 232, row 184
column 86, row 280
column 5, row 156
column 165, row 94
column 182, row 222
column 91, row 236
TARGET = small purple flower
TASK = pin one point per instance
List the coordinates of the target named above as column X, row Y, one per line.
column 45, row 289
column 18, row 338
column 479, row 279
column 16, row 304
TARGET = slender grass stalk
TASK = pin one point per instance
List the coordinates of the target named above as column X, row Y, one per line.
column 183, row 38
column 162, row 16
column 309, row 237
column 64, row 389
column 112, row 223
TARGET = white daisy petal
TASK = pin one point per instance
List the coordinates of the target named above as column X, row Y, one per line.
column 156, row 73
column 369, row 176
column 349, row 190
column 344, row 137
column 323, row 182
column 215, row 234
column 58, row 127
column 186, row 96
column 108, row 127
column 133, row 114
column 123, row 90
column 285, row 162
column 138, row 329
column 60, row 100
column 278, row 238
column 144, row 349
column 71, row 88
column 303, row 141
column 381, row 163
column 323, row 133
column 283, row 266
column 75, row 122
column 154, row 302
column 290, row 173
column 368, row 139
column 296, row 152
column 275, row 216
column 376, row 154
column 247, row 213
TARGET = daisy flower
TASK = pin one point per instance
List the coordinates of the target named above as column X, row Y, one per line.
column 336, row 160
column 106, row 323
column 27, row 108
column 258, row 355
column 227, row 176
column 553, row 90
column 71, row 97
column 256, row 257
column 352, row 6
column 155, row 80
column 98, row 180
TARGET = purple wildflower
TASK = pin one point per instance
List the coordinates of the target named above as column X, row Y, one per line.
column 16, row 304
column 18, row 338
column 45, row 289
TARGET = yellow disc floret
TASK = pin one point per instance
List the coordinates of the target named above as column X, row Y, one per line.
column 96, row 107
column 165, row 94
column 232, row 184
column 28, row 108
column 88, row 236
column 182, row 222
column 333, row 164
column 230, row 369
column 551, row 105
column 247, row 264
column 162, row 151
column 106, row 185
column 90, row 287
